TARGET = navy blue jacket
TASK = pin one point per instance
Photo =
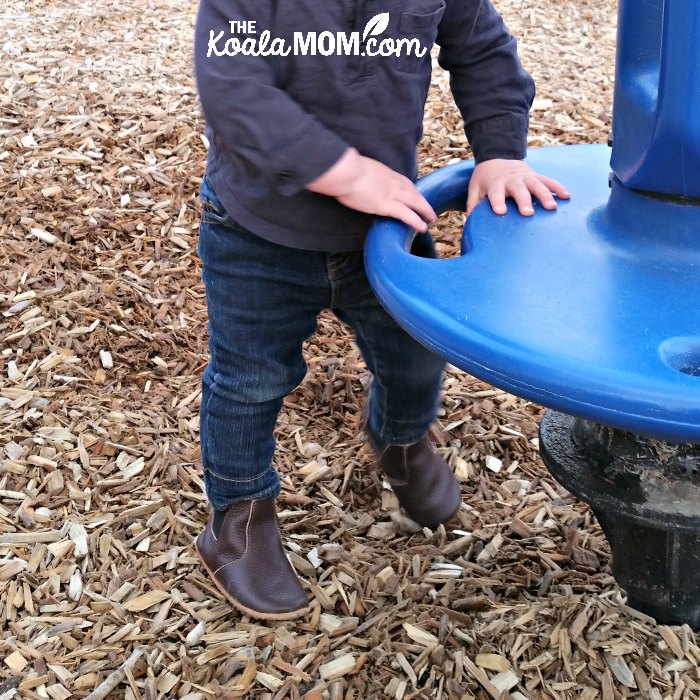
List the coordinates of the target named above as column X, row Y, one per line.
column 275, row 123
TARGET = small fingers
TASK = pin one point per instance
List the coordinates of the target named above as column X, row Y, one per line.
column 501, row 179
column 542, row 192
column 555, row 186
column 421, row 206
column 403, row 213
column 474, row 196
column 497, row 198
column 520, row 192
column 414, row 200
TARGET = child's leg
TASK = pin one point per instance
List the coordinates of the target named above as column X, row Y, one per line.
column 259, row 315
column 406, row 376
column 262, row 302
column 403, row 402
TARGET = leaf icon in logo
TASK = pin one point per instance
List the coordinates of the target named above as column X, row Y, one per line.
column 376, row 25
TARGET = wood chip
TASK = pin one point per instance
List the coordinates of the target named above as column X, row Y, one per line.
column 337, row 668
column 44, row 236
column 674, row 644
column 145, row 601
column 620, row 670
column 16, row 662
column 420, row 636
column 493, row 662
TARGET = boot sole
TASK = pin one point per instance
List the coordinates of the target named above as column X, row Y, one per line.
column 447, row 521
column 291, row 615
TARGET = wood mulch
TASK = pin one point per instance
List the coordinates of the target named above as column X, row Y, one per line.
column 103, row 332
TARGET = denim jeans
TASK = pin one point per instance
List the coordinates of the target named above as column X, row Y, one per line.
column 263, row 300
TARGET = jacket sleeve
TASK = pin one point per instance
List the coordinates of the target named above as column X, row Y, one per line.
column 491, row 88
column 253, row 121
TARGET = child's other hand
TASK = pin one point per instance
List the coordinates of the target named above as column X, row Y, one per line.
column 498, row 178
column 369, row 186
column 380, row 190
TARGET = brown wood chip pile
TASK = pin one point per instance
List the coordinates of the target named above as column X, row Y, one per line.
column 103, row 332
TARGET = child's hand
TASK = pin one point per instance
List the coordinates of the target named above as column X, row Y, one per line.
column 369, row 186
column 380, row 190
column 498, row 179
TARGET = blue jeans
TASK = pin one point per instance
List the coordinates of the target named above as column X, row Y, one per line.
column 263, row 300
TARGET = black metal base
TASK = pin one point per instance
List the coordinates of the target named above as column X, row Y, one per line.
column 646, row 496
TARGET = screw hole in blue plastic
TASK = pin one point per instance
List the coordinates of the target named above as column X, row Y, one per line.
column 682, row 354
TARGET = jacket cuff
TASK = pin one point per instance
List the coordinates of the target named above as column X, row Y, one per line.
column 499, row 137
column 305, row 159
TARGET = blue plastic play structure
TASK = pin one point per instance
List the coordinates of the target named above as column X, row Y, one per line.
column 593, row 310
column 657, row 97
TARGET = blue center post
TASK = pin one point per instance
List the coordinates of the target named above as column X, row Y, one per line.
column 593, row 310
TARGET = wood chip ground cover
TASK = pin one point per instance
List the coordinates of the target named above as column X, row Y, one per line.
column 103, row 332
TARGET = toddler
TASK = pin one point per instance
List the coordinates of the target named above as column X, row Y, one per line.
column 313, row 113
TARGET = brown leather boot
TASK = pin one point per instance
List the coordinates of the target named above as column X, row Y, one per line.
column 248, row 564
column 422, row 481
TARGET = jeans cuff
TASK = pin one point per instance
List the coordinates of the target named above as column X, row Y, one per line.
column 221, row 493
column 380, row 441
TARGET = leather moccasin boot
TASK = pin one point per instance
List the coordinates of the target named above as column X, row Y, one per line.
column 422, row 480
column 248, row 564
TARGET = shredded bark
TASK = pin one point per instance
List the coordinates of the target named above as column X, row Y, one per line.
column 103, row 333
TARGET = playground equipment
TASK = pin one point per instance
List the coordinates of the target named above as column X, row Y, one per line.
column 593, row 310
